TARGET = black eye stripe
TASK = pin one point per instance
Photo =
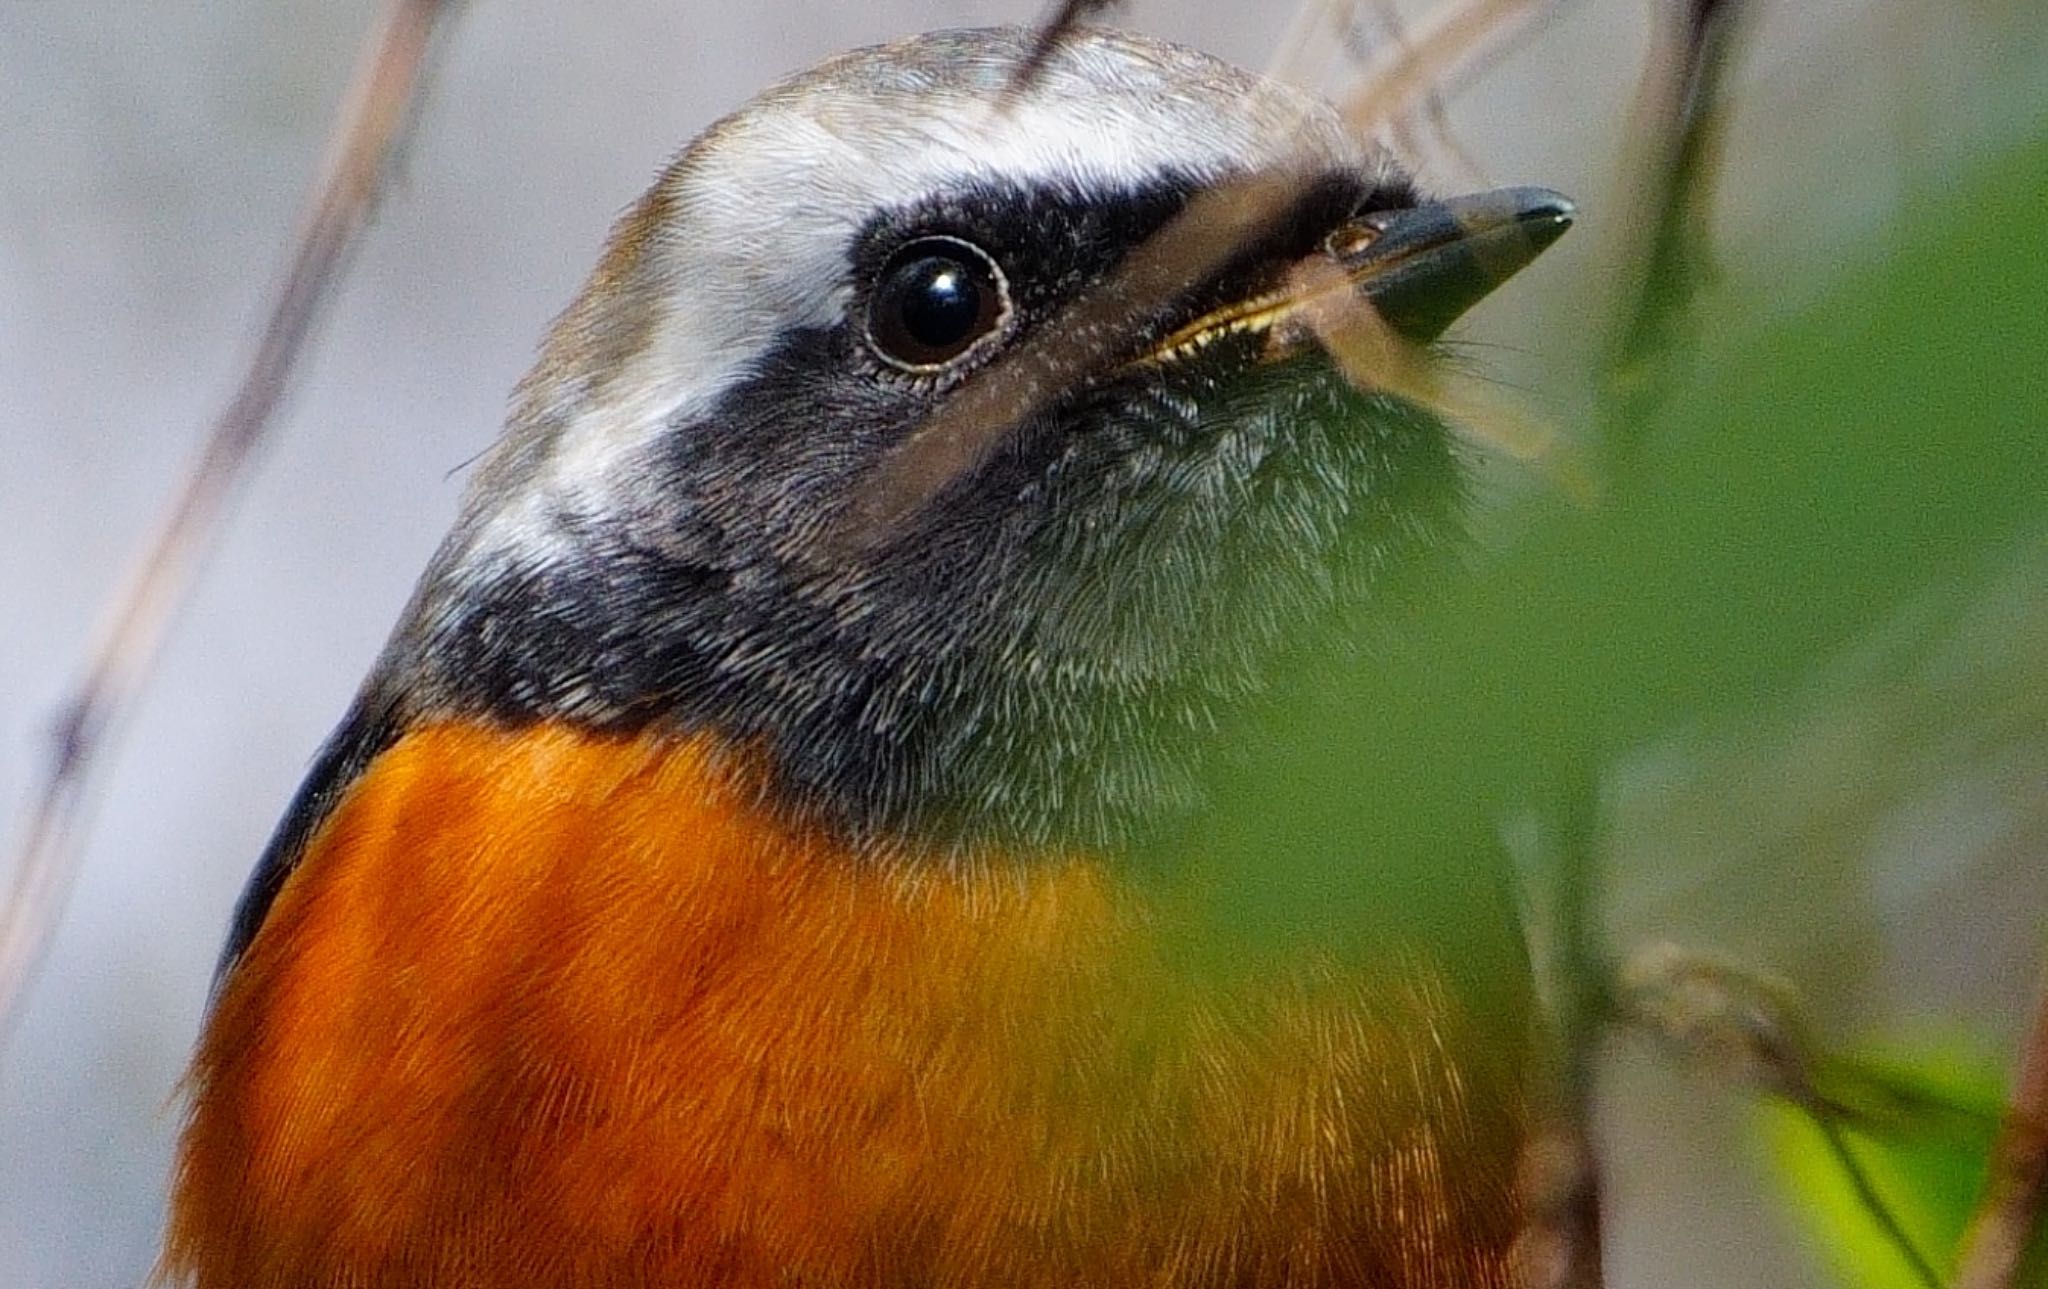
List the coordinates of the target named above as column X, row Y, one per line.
column 1051, row 241
column 933, row 301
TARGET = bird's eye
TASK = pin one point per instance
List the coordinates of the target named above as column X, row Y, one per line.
column 935, row 299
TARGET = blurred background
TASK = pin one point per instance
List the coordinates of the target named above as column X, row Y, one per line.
column 152, row 164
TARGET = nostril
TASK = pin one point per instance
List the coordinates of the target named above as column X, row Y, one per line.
column 1354, row 237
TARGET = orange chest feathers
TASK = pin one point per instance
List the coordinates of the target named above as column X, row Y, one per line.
column 538, row 1008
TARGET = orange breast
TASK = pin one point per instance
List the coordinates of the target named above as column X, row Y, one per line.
column 542, row 1008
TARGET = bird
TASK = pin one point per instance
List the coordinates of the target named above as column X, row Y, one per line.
column 724, row 879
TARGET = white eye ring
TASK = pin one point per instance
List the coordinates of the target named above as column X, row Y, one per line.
column 936, row 300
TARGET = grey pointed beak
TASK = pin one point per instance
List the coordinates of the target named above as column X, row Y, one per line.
column 1424, row 266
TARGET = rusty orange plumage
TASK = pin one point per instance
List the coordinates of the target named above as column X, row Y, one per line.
column 693, row 899
column 540, row 991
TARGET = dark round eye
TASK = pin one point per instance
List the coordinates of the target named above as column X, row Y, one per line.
column 933, row 300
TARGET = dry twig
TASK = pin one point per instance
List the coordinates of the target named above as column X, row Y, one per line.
column 1435, row 60
column 1560, row 1245
column 370, row 125
column 1563, row 1235
column 1065, row 17
column 1737, row 1021
column 1372, row 355
column 1745, row 1028
column 1682, row 116
column 1314, row 27
column 2009, row 1213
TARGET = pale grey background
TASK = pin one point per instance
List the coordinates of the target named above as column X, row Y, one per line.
column 152, row 157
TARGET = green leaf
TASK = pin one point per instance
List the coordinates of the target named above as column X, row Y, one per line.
column 1923, row 1146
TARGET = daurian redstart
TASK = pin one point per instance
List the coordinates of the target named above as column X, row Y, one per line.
column 711, row 886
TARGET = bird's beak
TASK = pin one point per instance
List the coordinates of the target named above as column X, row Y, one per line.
column 1424, row 266
column 1420, row 267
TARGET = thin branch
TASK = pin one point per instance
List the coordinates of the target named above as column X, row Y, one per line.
column 2009, row 1213
column 1682, row 126
column 1372, row 355
column 1458, row 38
column 1560, row 1243
column 369, row 127
column 1563, row 1225
column 1311, row 30
column 1065, row 17
column 1746, row 1028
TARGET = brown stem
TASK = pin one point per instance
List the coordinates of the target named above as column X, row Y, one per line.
column 1058, row 25
column 367, row 131
column 1560, row 1243
column 2016, row 1190
column 1683, row 122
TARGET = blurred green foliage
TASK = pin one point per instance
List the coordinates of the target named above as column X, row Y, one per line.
column 1926, row 1161
column 1807, row 480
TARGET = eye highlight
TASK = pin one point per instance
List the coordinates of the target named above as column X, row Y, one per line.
column 935, row 300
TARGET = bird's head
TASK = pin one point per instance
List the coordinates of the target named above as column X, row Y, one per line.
column 739, row 491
